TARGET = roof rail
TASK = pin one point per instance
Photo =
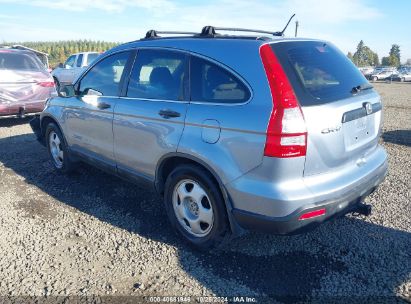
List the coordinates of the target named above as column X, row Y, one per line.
column 154, row 34
column 210, row 31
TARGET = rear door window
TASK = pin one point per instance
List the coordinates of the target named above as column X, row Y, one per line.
column 319, row 72
column 212, row 83
column 158, row 74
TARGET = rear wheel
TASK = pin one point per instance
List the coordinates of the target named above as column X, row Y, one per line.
column 374, row 78
column 195, row 207
column 57, row 149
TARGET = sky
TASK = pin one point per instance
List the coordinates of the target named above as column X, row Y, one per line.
column 380, row 23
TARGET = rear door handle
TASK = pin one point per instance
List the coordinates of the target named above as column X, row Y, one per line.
column 169, row 113
column 103, row 105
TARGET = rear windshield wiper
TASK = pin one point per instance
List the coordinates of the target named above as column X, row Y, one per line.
column 360, row 88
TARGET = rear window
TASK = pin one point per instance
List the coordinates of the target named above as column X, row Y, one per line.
column 91, row 58
column 21, row 62
column 319, row 72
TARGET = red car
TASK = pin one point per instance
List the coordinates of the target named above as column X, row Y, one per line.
column 25, row 84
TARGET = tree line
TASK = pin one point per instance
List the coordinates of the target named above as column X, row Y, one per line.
column 59, row 51
column 364, row 56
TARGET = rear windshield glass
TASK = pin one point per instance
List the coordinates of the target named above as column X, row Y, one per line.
column 91, row 58
column 320, row 73
column 22, row 62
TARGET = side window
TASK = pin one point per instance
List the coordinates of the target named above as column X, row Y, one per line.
column 70, row 61
column 79, row 60
column 212, row 83
column 105, row 76
column 158, row 74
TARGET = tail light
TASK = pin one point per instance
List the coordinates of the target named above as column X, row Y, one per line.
column 286, row 132
column 46, row 84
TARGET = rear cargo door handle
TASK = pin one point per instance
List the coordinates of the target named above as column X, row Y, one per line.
column 168, row 114
column 103, row 105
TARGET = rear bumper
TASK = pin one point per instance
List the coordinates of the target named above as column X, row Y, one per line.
column 20, row 107
column 291, row 224
column 276, row 209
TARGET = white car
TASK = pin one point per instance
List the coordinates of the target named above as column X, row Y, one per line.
column 382, row 75
column 69, row 71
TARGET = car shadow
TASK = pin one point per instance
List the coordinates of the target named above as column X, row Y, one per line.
column 284, row 269
column 8, row 122
column 399, row 137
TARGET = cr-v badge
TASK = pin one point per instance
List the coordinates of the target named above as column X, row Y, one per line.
column 332, row 129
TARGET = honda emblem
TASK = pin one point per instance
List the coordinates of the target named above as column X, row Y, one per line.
column 368, row 107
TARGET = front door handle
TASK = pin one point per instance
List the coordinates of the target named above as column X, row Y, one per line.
column 103, row 105
column 168, row 114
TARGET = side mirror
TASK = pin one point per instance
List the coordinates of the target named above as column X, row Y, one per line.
column 66, row 91
column 92, row 92
column 61, row 65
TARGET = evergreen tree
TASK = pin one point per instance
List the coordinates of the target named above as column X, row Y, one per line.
column 60, row 50
column 395, row 55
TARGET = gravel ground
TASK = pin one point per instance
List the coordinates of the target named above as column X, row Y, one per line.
column 91, row 234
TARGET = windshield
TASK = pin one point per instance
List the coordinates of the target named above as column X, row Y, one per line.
column 19, row 61
column 319, row 71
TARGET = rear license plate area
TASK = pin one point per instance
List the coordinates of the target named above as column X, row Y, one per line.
column 359, row 131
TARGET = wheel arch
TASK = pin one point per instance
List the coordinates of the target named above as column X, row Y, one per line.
column 47, row 119
column 170, row 161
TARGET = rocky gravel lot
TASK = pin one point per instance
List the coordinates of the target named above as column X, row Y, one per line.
column 91, row 234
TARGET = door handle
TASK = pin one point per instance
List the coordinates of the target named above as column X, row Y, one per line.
column 103, row 105
column 168, row 114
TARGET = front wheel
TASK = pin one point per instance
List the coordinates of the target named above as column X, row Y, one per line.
column 374, row 78
column 195, row 207
column 57, row 149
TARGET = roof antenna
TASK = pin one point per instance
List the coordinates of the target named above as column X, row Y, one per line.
column 282, row 32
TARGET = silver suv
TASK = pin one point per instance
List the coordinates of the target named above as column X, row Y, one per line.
column 234, row 132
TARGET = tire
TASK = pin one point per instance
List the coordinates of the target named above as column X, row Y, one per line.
column 57, row 149
column 202, row 194
column 402, row 79
column 374, row 78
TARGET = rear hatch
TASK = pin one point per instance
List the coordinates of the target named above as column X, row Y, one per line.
column 23, row 78
column 341, row 109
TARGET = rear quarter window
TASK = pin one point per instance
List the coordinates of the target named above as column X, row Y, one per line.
column 319, row 72
column 213, row 83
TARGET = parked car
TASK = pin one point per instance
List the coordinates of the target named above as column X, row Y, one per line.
column 366, row 71
column 383, row 74
column 66, row 73
column 404, row 76
column 234, row 132
column 25, row 84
